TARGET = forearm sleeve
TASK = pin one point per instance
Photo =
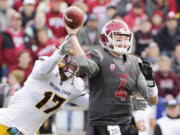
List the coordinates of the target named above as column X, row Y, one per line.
column 88, row 66
column 45, row 67
column 82, row 101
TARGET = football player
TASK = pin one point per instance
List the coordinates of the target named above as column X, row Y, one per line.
column 145, row 120
column 52, row 83
column 113, row 75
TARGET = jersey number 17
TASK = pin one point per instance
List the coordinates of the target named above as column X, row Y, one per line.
column 47, row 95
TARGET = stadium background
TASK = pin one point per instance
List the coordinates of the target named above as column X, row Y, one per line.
column 32, row 28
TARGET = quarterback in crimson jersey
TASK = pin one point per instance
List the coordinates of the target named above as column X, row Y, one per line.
column 114, row 75
column 50, row 86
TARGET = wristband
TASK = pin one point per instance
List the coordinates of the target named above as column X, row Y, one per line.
column 152, row 91
column 150, row 83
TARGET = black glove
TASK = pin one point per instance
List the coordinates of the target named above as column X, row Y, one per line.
column 146, row 69
column 139, row 104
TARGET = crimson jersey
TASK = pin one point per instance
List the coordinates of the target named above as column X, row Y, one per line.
column 45, row 49
column 99, row 10
column 54, row 20
column 110, row 89
column 11, row 44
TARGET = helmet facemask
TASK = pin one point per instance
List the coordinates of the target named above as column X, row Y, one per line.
column 69, row 67
column 119, row 43
column 116, row 37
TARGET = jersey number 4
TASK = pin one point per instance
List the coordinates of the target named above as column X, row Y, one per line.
column 47, row 95
column 120, row 92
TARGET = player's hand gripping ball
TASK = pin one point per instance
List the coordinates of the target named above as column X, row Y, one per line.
column 73, row 17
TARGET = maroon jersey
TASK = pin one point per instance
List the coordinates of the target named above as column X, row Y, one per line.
column 168, row 84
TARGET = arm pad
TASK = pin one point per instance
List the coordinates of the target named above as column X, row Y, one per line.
column 88, row 66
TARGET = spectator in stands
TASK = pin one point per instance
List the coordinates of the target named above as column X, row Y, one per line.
column 123, row 7
column 39, row 23
column 166, row 80
column 153, row 5
column 18, row 5
column 177, row 6
column 169, row 124
column 143, row 36
column 157, row 22
column 28, row 12
column 24, row 64
column 117, row 16
column 152, row 55
column 168, row 35
column 88, row 35
column 45, row 45
column 110, row 12
column 98, row 8
column 5, row 12
column 44, row 6
column 176, row 60
column 145, row 120
column 15, row 79
column 135, row 16
column 14, row 40
column 54, row 20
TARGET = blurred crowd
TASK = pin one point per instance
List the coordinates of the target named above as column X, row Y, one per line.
column 32, row 28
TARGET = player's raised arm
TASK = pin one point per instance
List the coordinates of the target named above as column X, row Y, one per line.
column 86, row 65
column 147, row 86
column 44, row 66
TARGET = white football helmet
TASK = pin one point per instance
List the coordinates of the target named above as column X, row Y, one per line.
column 116, row 27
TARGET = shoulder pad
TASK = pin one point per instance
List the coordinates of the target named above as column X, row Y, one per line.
column 40, row 59
column 136, row 58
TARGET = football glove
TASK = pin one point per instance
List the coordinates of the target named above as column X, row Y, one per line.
column 147, row 72
column 139, row 103
column 65, row 47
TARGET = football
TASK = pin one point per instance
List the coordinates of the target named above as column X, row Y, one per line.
column 73, row 17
